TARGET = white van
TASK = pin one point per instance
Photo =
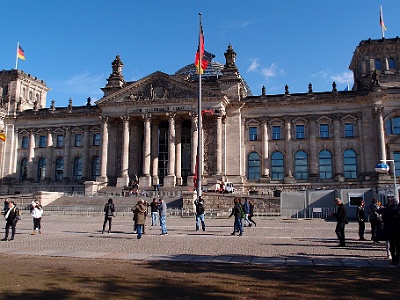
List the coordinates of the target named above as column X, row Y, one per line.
column 229, row 187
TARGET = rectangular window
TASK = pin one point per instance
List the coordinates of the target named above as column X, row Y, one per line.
column 300, row 132
column 25, row 142
column 60, row 141
column 324, row 131
column 348, row 130
column 276, row 132
column 96, row 139
column 253, row 133
column 42, row 141
column 78, row 140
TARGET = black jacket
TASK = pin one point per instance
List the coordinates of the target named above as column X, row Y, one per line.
column 13, row 215
column 340, row 214
column 237, row 211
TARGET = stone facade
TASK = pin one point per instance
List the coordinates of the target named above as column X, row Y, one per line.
column 146, row 130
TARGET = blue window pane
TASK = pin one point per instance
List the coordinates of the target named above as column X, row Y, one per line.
column 300, row 132
column 378, row 64
column 253, row 133
column 276, row 132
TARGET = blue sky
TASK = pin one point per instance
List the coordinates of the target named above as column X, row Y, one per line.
column 71, row 44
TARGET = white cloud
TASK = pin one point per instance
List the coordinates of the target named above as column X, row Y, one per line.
column 321, row 74
column 345, row 77
column 270, row 71
column 84, row 83
column 253, row 66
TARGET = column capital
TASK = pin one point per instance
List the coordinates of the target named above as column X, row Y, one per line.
column 146, row 116
column 104, row 119
column 125, row 118
column 170, row 116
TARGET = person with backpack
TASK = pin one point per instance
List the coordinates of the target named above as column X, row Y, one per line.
column 199, row 203
column 109, row 210
column 251, row 214
column 11, row 216
column 238, row 212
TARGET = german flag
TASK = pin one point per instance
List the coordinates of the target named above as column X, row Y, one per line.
column 21, row 53
column 2, row 136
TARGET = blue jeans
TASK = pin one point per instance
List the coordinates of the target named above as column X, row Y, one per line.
column 238, row 225
column 163, row 224
column 200, row 218
column 139, row 231
column 154, row 218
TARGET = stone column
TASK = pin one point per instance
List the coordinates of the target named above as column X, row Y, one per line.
column 154, row 151
column 381, row 135
column 31, row 156
column 50, row 172
column 85, row 154
column 313, row 165
column 337, row 147
column 265, row 177
column 67, row 153
column 104, row 150
column 135, row 149
column 289, row 152
column 145, row 179
column 359, row 133
column 219, row 151
column 194, row 143
column 170, row 179
column 123, row 180
column 178, row 152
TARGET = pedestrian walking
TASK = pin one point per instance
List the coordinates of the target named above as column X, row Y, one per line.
column 251, row 214
column 5, row 207
column 238, row 213
column 391, row 228
column 36, row 213
column 246, row 209
column 375, row 219
column 341, row 219
column 140, row 211
column 162, row 209
column 199, row 203
column 11, row 216
column 154, row 212
column 361, row 220
column 109, row 210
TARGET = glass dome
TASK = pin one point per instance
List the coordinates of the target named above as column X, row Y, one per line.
column 211, row 73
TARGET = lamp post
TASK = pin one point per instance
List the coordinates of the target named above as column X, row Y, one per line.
column 382, row 168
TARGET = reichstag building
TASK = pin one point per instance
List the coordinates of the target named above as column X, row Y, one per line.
column 146, row 130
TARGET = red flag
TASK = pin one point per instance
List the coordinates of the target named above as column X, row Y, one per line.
column 200, row 52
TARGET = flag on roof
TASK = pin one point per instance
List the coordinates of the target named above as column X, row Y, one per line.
column 21, row 53
column 203, row 58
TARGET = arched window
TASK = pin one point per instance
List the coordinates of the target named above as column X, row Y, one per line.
column 253, row 167
column 95, row 167
column 77, row 168
column 325, row 164
column 301, row 165
column 277, row 165
column 378, row 64
column 59, row 168
column 392, row 64
column 23, row 170
column 393, row 126
column 41, row 170
column 350, row 164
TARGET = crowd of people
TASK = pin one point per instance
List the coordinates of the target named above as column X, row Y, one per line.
column 384, row 220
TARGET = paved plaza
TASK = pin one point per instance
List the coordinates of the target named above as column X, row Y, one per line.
column 274, row 242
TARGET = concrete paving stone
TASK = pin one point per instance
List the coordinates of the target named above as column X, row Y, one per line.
column 241, row 259
column 292, row 261
column 222, row 259
column 184, row 258
column 268, row 261
column 327, row 262
column 354, row 263
column 160, row 258
column 134, row 256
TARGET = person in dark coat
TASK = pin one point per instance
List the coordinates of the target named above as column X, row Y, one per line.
column 341, row 219
column 11, row 216
column 109, row 210
column 251, row 214
column 237, row 211
column 139, row 216
column 361, row 220
column 391, row 228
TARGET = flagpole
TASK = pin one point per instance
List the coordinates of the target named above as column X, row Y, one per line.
column 382, row 23
column 16, row 59
column 199, row 135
